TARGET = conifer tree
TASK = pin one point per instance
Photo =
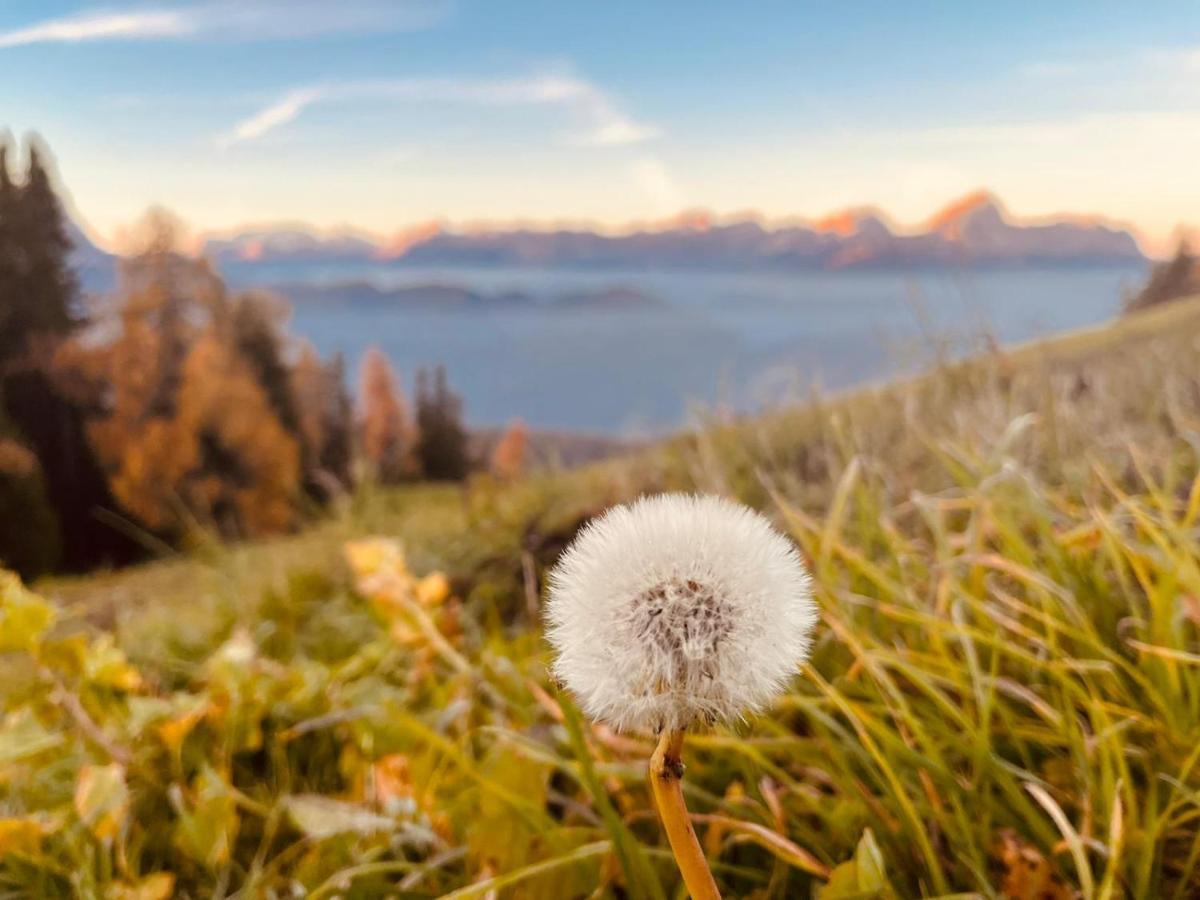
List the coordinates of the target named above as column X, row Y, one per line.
column 324, row 422
column 442, row 440
column 29, row 541
column 38, row 292
column 38, row 315
column 256, row 333
column 11, row 331
column 52, row 293
column 337, row 453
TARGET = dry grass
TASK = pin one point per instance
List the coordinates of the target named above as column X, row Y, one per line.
column 1005, row 695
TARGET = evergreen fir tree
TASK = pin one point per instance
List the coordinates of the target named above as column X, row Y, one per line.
column 39, row 309
column 337, row 452
column 29, row 542
column 257, row 337
column 12, row 330
column 52, row 292
column 325, row 423
column 442, row 440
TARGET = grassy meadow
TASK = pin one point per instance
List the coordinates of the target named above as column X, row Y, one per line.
column 1003, row 700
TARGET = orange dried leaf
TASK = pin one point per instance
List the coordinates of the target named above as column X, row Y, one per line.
column 1024, row 873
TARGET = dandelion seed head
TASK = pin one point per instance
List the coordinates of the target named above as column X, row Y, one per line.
column 678, row 609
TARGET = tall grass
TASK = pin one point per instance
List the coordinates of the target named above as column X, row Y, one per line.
column 1004, row 698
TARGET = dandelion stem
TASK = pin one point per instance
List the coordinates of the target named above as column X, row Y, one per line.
column 666, row 774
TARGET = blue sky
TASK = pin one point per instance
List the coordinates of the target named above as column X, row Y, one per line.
column 382, row 114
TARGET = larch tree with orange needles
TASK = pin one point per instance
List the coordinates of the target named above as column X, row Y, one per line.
column 385, row 426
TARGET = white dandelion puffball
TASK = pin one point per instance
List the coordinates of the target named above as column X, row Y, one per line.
column 676, row 609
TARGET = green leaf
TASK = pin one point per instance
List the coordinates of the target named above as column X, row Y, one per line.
column 572, row 858
column 861, row 878
column 208, row 823
column 22, row 736
column 640, row 877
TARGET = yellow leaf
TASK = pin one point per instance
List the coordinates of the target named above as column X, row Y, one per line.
column 372, row 556
column 158, row 886
column 24, row 616
column 433, row 589
column 102, row 799
column 20, row 837
column 176, row 729
column 106, row 664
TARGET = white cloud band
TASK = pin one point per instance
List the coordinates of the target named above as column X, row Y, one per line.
column 230, row 19
column 100, row 26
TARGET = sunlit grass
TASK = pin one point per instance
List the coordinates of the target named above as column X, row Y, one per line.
column 1004, row 696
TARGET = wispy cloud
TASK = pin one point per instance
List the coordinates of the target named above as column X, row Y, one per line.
column 100, row 27
column 601, row 121
column 270, row 118
column 230, row 20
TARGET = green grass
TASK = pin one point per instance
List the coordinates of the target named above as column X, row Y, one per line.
column 1004, row 694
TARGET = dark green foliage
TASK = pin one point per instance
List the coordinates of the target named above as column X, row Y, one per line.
column 37, row 290
column 29, row 537
column 324, row 423
column 442, row 440
column 53, row 427
column 257, row 336
column 39, row 311
column 337, row 450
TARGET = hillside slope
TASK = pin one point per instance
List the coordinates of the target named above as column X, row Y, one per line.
column 1004, row 695
column 430, row 514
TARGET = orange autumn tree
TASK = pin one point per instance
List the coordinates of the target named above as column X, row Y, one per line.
column 245, row 477
column 187, row 432
column 508, row 456
column 385, row 427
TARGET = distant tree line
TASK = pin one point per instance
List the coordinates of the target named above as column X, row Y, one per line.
column 179, row 406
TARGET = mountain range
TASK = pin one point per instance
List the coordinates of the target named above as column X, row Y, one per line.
column 975, row 230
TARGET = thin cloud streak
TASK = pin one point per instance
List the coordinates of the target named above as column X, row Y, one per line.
column 237, row 20
column 270, row 118
column 602, row 122
column 99, row 27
